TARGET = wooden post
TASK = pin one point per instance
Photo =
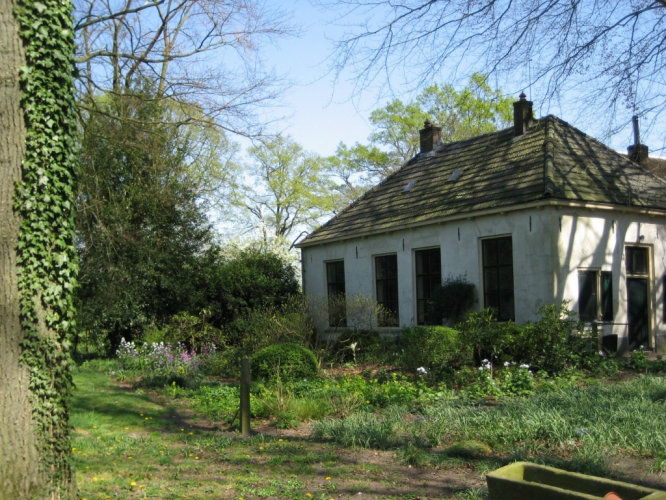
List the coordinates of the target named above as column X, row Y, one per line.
column 245, row 397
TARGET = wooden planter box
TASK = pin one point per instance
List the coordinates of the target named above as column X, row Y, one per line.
column 528, row 481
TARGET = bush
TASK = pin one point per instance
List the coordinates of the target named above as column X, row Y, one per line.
column 355, row 346
column 554, row 342
column 225, row 363
column 261, row 327
column 450, row 301
column 486, row 337
column 437, row 349
column 287, row 361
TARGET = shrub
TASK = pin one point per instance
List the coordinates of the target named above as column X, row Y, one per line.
column 554, row 342
column 224, row 363
column 437, row 349
column 287, row 361
column 357, row 345
column 486, row 337
column 184, row 328
column 261, row 327
column 450, row 301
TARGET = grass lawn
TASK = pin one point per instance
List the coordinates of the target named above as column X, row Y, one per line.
column 133, row 444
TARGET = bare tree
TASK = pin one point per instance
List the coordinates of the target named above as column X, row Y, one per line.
column 202, row 52
column 612, row 53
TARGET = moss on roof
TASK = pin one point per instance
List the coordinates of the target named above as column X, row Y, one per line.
column 551, row 161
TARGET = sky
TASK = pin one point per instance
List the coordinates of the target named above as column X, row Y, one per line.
column 320, row 113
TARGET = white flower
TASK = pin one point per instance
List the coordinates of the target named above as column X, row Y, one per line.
column 525, row 366
column 421, row 371
column 506, row 363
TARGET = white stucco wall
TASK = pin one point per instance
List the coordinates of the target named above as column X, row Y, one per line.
column 550, row 245
column 532, row 232
column 597, row 241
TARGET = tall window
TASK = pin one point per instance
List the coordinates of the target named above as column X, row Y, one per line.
column 386, row 284
column 337, row 307
column 595, row 295
column 428, row 277
column 498, row 276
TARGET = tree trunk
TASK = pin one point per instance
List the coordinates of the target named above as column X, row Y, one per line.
column 19, row 457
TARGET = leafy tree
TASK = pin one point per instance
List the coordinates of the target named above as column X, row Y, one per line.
column 611, row 53
column 287, row 189
column 37, row 255
column 474, row 110
column 141, row 219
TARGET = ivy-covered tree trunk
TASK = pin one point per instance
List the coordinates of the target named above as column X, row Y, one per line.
column 37, row 256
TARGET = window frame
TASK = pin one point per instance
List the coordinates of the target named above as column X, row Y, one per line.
column 425, row 282
column 334, row 289
column 604, row 312
column 493, row 297
column 389, row 315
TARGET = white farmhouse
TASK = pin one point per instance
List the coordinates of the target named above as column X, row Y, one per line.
column 536, row 214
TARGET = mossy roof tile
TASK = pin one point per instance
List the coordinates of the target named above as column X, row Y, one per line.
column 552, row 160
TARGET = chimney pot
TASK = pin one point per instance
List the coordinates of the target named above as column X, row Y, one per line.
column 522, row 115
column 430, row 136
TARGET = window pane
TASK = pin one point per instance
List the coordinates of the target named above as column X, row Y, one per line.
column 337, row 308
column 498, row 276
column 606, row 296
column 428, row 277
column 637, row 260
column 587, row 295
column 386, row 282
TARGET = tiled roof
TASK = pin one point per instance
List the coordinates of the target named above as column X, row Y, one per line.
column 551, row 161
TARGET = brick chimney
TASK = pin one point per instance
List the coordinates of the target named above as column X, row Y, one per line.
column 522, row 115
column 430, row 136
column 637, row 152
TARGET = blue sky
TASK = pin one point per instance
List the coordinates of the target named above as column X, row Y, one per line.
column 319, row 113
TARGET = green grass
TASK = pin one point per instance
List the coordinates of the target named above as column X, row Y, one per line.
column 576, row 427
column 130, row 443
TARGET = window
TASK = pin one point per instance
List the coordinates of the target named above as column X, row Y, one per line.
column 428, row 278
column 595, row 295
column 497, row 256
column 637, row 261
column 337, row 307
column 386, row 284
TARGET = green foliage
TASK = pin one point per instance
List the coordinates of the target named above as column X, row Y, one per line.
column 357, row 346
column 142, row 229
column 249, row 281
column 193, row 331
column 47, row 259
column 438, row 349
column 261, row 327
column 552, row 343
column 222, row 363
column 287, row 361
column 286, row 189
column 450, row 301
column 159, row 364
